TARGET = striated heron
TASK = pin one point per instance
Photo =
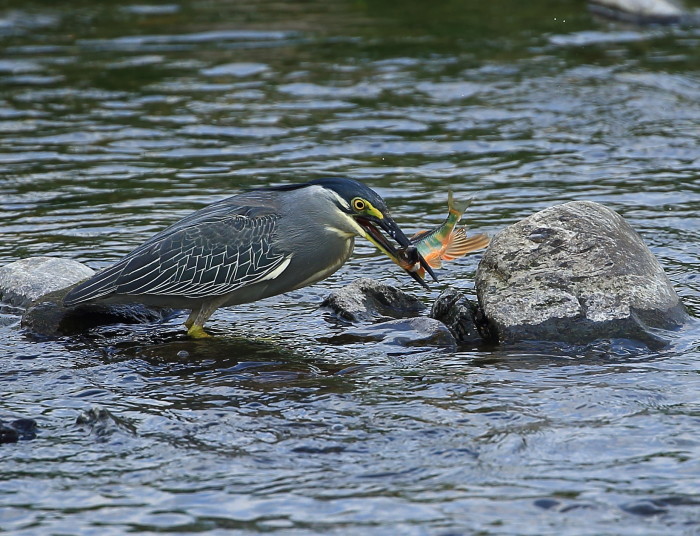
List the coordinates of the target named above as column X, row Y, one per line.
column 251, row 246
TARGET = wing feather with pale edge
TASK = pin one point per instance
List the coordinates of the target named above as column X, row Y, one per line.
column 212, row 252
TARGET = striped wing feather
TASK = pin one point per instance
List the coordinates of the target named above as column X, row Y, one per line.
column 212, row 252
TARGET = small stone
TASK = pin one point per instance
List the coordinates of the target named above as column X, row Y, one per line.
column 462, row 316
column 575, row 273
column 546, row 504
column 23, row 281
column 366, row 300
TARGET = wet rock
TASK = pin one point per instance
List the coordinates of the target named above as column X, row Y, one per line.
column 575, row 272
column 366, row 300
column 24, row 281
column 25, row 427
column 49, row 318
column 640, row 11
column 18, row 429
column 409, row 332
column 462, row 316
column 8, row 434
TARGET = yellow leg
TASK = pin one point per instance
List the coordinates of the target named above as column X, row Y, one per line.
column 197, row 332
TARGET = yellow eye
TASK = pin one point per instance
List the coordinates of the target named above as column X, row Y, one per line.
column 359, row 204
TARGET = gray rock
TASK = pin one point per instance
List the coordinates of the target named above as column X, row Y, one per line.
column 575, row 273
column 24, row 281
column 408, row 332
column 49, row 318
column 641, row 11
column 366, row 300
column 462, row 316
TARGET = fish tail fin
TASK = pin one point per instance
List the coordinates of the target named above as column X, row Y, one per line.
column 455, row 207
column 460, row 244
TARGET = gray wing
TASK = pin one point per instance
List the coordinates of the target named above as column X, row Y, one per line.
column 212, row 252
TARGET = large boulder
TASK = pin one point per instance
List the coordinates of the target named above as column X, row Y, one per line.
column 575, row 272
column 366, row 300
column 25, row 280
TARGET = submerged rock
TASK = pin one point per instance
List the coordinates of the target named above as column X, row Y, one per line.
column 462, row 316
column 365, row 300
column 409, row 332
column 102, row 424
column 575, row 272
column 48, row 317
column 25, row 280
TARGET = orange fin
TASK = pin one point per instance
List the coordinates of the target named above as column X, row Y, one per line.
column 434, row 262
column 459, row 244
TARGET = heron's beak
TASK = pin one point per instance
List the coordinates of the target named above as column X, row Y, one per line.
column 374, row 235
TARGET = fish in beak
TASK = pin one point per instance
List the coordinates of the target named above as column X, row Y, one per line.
column 371, row 226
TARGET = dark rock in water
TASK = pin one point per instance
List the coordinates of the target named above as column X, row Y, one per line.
column 8, row 434
column 24, row 281
column 365, row 300
column 409, row 332
column 16, row 430
column 25, row 427
column 546, row 504
column 644, row 508
column 48, row 317
column 462, row 316
column 575, row 273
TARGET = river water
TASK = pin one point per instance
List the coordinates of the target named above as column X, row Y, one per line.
column 117, row 118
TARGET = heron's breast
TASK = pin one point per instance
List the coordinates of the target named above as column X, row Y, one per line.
column 320, row 261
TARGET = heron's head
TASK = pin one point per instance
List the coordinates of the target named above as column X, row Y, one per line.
column 363, row 210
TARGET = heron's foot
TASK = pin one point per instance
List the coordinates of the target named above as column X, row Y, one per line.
column 197, row 332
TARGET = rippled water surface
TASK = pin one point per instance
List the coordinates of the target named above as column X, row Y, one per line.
column 117, row 118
